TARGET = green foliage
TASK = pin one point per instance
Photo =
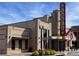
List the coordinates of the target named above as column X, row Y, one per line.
column 54, row 51
column 51, row 52
column 39, row 52
column 44, row 52
column 47, row 52
column 35, row 53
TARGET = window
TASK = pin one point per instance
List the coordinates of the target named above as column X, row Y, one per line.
column 75, row 33
column 26, row 44
column 48, row 33
column 20, row 44
column 45, row 33
column 45, row 44
column 13, row 44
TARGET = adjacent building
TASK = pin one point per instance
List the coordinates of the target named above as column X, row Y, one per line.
column 75, row 30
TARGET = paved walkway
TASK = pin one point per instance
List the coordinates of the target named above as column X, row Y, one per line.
column 73, row 53
column 20, row 54
column 62, row 53
column 68, row 53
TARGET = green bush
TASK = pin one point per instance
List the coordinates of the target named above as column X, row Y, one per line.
column 35, row 53
column 54, row 52
column 39, row 52
column 47, row 52
column 51, row 52
column 44, row 52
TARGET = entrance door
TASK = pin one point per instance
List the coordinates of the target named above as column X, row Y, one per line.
column 13, row 44
column 26, row 44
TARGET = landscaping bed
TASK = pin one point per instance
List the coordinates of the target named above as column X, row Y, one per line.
column 44, row 52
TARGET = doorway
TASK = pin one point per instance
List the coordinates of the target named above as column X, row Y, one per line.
column 26, row 44
column 20, row 44
column 13, row 44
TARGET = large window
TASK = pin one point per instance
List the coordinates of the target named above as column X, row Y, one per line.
column 45, row 44
column 13, row 44
column 20, row 44
column 45, row 33
column 26, row 44
column 75, row 33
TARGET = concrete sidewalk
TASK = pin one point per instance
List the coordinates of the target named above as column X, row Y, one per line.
column 62, row 53
column 20, row 54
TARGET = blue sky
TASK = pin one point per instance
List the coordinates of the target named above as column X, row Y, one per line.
column 12, row 12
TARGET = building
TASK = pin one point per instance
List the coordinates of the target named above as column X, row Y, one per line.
column 23, row 36
column 70, row 38
column 55, row 20
column 60, row 44
column 75, row 30
column 12, row 38
column 33, row 35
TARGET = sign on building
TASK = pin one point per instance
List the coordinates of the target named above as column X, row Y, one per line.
column 56, row 37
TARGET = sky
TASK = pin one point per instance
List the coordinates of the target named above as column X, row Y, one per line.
column 12, row 12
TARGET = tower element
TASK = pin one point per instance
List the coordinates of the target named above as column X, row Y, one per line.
column 62, row 19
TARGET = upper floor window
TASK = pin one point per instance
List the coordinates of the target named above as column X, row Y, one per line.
column 45, row 33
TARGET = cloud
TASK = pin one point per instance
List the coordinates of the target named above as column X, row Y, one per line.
column 38, row 11
column 16, row 12
column 72, row 14
column 35, row 13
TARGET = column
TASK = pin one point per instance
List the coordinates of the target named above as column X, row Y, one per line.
column 42, row 39
column 16, row 45
column 23, row 44
column 66, row 45
column 47, row 39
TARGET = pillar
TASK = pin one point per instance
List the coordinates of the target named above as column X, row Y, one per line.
column 42, row 39
column 47, row 39
column 16, row 45
column 65, row 45
column 23, row 44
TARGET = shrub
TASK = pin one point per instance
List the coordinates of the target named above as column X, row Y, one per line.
column 44, row 52
column 54, row 52
column 39, row 52
column 51, row 52
column 47, row 52
column 35, row 53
